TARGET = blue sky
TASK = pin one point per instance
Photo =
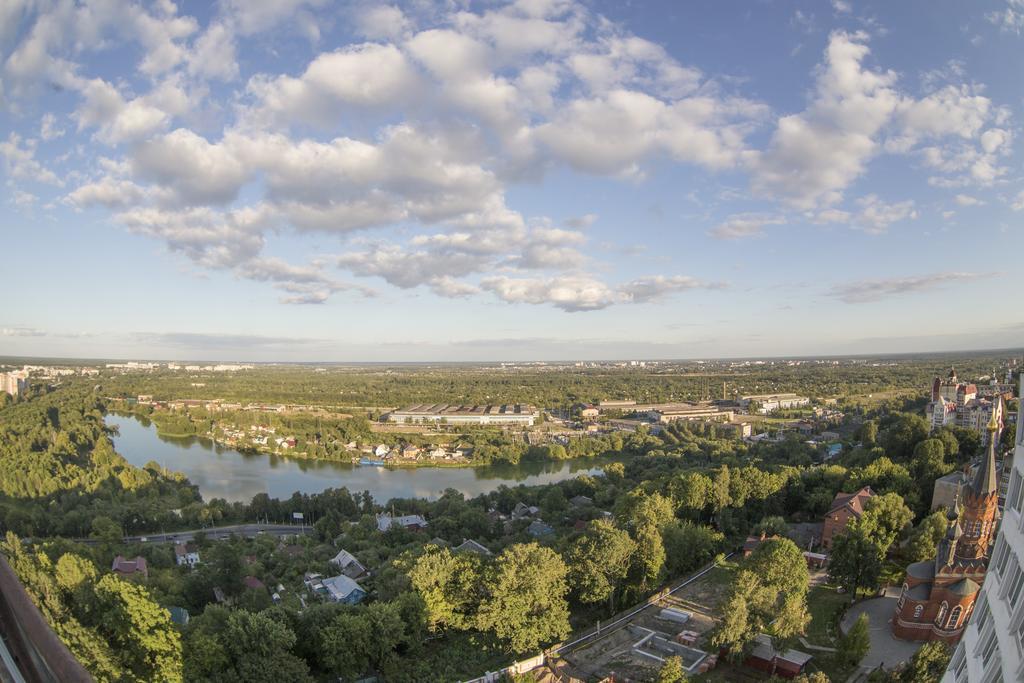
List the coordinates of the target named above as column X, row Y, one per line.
column 542, row 179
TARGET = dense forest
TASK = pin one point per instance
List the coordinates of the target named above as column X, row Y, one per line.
column 677, row 501
column 554, row 387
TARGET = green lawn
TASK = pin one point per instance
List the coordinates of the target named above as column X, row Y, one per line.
column 825, row 604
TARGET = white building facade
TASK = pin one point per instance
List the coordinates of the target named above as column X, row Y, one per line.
column 992, row 647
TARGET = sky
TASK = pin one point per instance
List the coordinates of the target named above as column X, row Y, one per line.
column 532, row 180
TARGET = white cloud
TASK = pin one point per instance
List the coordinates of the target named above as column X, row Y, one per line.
column 21, row 164
column 213, row 55
column 1009, row 19
column 196, row 170
column 368, row 75
column 48, row 127
column 866, row 291
column 383, row 22
column 575, row 293
column 875, row 216
column 1017, row 204
column 743, row 225
column 813, row 156
column 569, row 292
column 967, row 200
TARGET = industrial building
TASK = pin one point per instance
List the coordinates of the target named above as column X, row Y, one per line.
column 425, row 413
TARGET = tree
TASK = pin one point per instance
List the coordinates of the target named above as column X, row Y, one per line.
column 926, row 536
column 689, row 545
column 770, row 590
column 869, row 433
column 771, row 526
column 927, row 665
column 598, row 560
column 856, row 643
column 884, row 519
column 672, row 671
column 148, row 643
column 524, row 604
column 449, row 585
column 226, row 645
column 720, row 490
column 856, row 560
column 813, row 677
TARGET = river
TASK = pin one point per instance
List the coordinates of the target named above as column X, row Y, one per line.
column 222, row 472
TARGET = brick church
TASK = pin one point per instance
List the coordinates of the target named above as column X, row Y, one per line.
column 938, row 595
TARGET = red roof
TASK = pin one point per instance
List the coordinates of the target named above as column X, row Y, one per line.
column 253, row 582
column 123, row 565
column 854, row 501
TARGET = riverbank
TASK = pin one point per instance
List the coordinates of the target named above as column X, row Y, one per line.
column 224, row 472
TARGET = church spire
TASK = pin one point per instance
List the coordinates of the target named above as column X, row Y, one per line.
column 985, row 481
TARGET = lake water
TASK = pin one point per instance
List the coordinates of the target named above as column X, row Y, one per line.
column 222, row 472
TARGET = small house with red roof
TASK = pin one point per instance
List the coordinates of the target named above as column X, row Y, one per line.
column 845, row 507
column 122, row 566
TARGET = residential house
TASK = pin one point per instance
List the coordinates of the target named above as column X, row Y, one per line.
column 348, row 564
column 845, row 507
column 413, row 522
column 581, row 501
column 122, row 566
column 186, row 554
column 471, row 546
column 179, row 615
column 539, row 529
column 764, row 657
column 410, row 451
column 344, row 590
column 252, row 583
column 381, row 450
column 522, row 510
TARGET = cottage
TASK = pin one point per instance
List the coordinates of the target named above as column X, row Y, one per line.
column 252, row 583
column 409, row 451
column 764, row 657
column 523, row 510
column 343, row 590
column 186, row 554
column 471, row 546
column 348, row 564
column 122, row 566
column 538, row 529
column 413, row 522
column 581, row 501
column 179, row 615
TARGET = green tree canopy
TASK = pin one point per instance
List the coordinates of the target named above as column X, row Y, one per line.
column 524, row 604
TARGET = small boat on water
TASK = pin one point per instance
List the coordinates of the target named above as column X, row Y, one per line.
column 371, row 461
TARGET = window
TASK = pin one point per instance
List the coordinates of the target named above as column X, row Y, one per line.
column 960, row 668
column 1002, row 556
column 989, row 650
column 917, row 611
column 1016, row 584
column 954, row 617
column 903, row 596
column 1013, row 491
column 942, row 613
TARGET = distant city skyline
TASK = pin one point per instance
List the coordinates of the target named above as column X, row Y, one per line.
column 531, row 180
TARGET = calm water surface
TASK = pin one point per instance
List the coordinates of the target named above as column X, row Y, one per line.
column 222, row 472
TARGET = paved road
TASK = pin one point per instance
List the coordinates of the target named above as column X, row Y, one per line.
column 217, row 533
column 886, row 650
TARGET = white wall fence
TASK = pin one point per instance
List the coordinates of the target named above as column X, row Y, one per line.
column 519, row 667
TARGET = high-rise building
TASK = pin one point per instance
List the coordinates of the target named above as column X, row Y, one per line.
column 992, row 647
column 14, row 383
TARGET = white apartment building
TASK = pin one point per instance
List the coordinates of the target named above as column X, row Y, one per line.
column 992, row 647
column 14, row 383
